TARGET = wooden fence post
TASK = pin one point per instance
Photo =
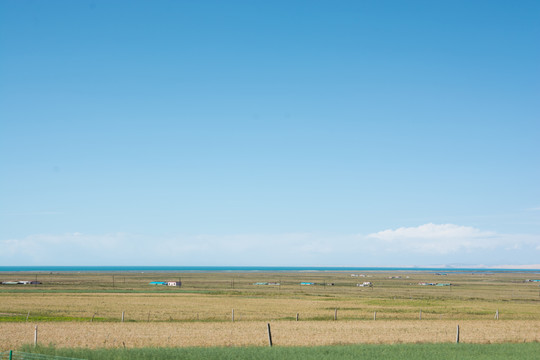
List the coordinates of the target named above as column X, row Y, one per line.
column 123, row 314
column 374, row 315
column 296, row 316
column 335, row 314
column 269, row 335
column 232, row 316
column 35, row 336
column 497, row 315
column 457, row 335
column 420, row 315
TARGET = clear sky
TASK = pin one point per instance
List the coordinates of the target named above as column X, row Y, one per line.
column 355, row 133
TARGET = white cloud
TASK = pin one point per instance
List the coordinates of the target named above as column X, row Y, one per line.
column 432, row 231
column 447, row 238
column 64, row 247
column 426, row 244
column 131, row 249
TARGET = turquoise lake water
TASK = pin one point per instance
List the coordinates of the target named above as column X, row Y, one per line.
column 241, row 269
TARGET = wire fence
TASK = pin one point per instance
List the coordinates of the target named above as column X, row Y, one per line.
column 18, row 355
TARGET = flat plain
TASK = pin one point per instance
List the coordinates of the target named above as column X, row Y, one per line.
column 229, row 309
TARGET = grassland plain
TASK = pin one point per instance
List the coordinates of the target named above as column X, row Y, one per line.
column 372, row 352
column 84, row 309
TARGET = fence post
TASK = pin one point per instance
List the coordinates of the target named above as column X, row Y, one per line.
column 497, row 315
column 457, row 335
column 269, row 335
column 35, row 336
column 123, row 316
column 335, row 314
column 374, row 315
column 10, row 354
column 296, row 316
column 232, row 315
column 420, row 314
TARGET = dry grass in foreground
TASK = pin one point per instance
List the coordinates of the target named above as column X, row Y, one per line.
column 303, row 333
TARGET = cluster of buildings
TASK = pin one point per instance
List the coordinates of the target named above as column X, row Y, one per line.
column 267, row 283
column 305, row 283
column 166, row 283
column 434, row 284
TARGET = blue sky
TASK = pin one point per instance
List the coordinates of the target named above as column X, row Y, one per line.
column 355, row 133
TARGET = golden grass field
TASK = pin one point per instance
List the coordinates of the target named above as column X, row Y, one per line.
column 84, row 309
column 254, row 333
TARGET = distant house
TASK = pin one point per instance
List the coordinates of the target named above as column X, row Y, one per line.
column 166, row 283
column 20, row 282
column 307, row 283
column 365, row 283
column 267, row 283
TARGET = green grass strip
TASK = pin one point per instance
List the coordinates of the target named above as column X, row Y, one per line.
column 386, row 352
